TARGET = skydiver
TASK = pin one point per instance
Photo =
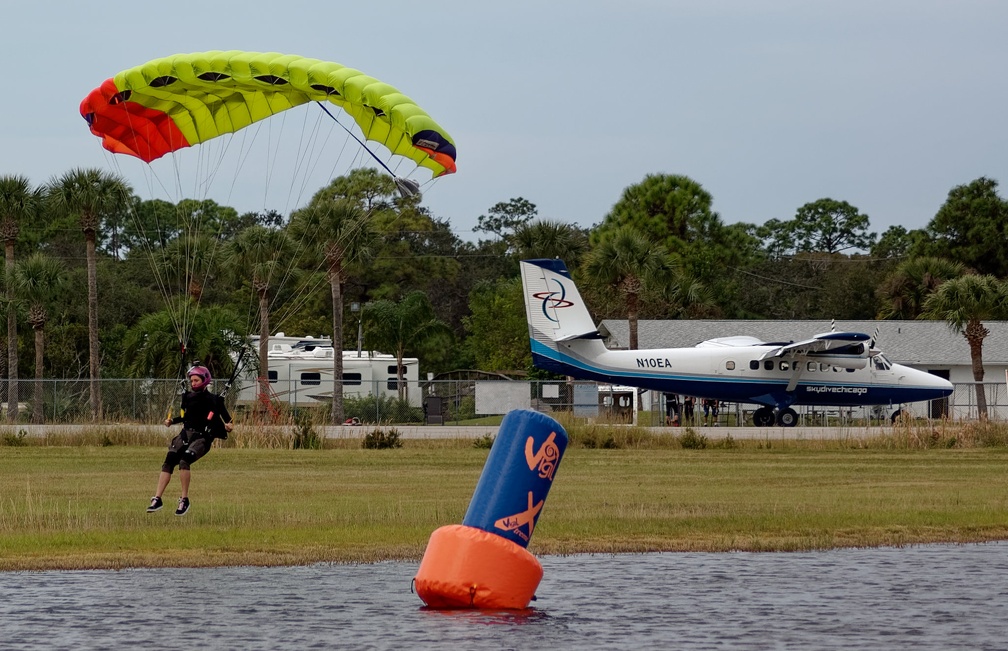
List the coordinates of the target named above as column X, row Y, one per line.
column 204, row 417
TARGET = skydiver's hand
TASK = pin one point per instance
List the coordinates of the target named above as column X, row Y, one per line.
column 228, row 427
column 167, row 422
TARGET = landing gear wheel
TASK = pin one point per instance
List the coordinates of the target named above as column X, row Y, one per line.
column 763, row 417
column 787, row 417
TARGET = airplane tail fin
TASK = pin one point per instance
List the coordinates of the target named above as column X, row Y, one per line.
column 554, row 307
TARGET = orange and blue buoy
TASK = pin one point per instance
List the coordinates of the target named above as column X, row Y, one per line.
column 483, row 562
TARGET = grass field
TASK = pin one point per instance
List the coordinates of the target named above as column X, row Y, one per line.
column 82, row 506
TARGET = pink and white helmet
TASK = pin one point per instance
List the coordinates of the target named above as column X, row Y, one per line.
column 201, row 371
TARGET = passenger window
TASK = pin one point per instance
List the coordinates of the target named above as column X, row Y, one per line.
column 768, row 365
column 783, row 365
column 754, row 364
column 811, row 366
column 730, row 365
column 850, row 370
column 823, row 367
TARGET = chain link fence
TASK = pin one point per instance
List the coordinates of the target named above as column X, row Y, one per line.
column 447, row 402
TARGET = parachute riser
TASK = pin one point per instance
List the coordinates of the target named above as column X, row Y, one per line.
column 407, row 187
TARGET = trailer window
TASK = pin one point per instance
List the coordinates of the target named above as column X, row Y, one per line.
column 351, row 379
column 311, row 379
column 392, row 370
column 272, row 376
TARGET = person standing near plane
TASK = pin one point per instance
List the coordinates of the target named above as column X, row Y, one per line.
column 671, row 409
column 204, row 417
column 687, row 410
column 710, row 411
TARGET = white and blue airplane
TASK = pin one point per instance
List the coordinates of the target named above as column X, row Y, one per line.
column 830, row 369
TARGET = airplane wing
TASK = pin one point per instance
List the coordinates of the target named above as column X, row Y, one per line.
column 839, row 344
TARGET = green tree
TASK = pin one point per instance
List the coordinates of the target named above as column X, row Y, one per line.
column 903, row 293
column 964, row 303
column 497, row 332
column 401, row 327
column 19, row 202
column 264, row 257
column 669, row 209
column 35, row 281
column 90, row 194
column 777, row 237
column 898, row 242
column 627, row 263
column 831, row 226
column 503, row 218
column 340, row 233
column 551, row 239
column 972, row 227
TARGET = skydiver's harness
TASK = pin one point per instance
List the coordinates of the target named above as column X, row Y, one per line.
column 208, row 429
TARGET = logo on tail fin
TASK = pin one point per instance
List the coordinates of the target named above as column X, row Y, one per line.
column 554, row 300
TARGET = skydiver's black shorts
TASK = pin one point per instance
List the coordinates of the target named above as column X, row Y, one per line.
column 185, row 450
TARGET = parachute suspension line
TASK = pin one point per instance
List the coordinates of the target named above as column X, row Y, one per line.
column 145, row 241
column 317, row 281
column 407, row 187
column 181, row 375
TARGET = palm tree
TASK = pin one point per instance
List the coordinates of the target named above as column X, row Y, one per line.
column 153, row 350
column 90, row 194
column 551, row 239
column 19, row 202
column 627, row 263
column 394, row 326
column 340, row 232
column 262, row 255
column 35, row 280
column 902, row 293
column 964, row 303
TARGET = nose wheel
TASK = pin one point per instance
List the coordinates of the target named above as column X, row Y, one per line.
column 765, row 417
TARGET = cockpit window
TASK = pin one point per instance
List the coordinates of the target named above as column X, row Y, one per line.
column 881, row 363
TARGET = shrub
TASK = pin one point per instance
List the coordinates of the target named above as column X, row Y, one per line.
column 382, row 439
column 381, row 409
column 305, row 436
column 690, row 440
column 15, row 440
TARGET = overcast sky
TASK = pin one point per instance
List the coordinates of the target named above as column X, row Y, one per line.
column 768, row 104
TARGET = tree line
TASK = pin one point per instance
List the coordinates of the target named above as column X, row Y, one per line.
column 112, row 285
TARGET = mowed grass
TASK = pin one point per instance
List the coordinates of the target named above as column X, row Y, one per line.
column 84, row 506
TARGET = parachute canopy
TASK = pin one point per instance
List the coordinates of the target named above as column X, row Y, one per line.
column 179, row 101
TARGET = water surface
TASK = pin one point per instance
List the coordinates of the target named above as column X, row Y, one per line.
column 926, row 597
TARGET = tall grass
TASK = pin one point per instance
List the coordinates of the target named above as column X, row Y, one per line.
column 83, row 506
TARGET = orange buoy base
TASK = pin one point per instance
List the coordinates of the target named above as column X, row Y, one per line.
column 466, row 567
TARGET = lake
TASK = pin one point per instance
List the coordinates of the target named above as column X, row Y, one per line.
column 921, row 597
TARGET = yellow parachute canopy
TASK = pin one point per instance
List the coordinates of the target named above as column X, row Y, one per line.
column 186, row 99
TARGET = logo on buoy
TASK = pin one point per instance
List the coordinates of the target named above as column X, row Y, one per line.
column 514, row 523
column 545, row 459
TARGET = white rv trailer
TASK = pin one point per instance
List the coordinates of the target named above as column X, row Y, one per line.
column 301, row 373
